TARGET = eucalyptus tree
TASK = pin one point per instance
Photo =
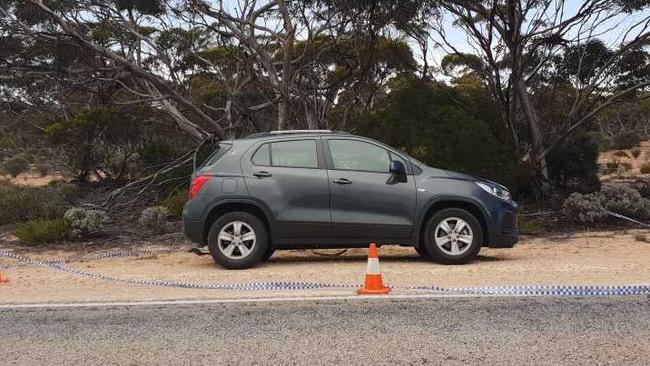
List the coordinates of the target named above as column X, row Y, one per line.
column 517, row 47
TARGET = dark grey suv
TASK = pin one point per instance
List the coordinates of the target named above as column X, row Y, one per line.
column 324, row 189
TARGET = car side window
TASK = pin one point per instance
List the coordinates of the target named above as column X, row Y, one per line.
column 263, row 156
column 294, row 154
column 359, row 155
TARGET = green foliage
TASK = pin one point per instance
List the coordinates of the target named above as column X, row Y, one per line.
column 42, row 231
column 593, row 207
column 85, row 223
column 610, row 168
column 583, row 164
column 529, row 226
column 174, row 203
column 121, row 142
column 27, row 203
column 154, row 218
column 149, row 7
column 626, row 140
column 585, row 208
column 16, row 165
column 43, row 169
column 425, row 122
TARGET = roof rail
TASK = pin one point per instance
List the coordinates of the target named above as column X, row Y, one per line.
column 287, row 132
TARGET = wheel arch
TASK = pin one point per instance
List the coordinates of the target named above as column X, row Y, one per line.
column 248, row 206
column 466, row 204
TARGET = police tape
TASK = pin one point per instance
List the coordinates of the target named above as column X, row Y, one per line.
column 569, row 291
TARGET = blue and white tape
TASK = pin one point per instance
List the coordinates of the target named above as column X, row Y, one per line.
column 571, row 291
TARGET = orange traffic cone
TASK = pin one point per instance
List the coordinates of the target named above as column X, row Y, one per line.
column 3, row 280
column 374, row 285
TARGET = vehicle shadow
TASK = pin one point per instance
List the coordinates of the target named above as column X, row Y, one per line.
column 308, row 257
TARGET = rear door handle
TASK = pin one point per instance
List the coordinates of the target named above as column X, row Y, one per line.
column 342, row 181
column 262, row 174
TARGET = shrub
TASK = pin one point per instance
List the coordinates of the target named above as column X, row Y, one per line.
column 641, row 238
column 610, row 168
column 636, row 152
column 583, row 165
column 43, row 231
column 16, row 165
column 626, row 140
column 591, row 208
column 622, row 168
column 621, row 154
column 586, row 208
column 84, row 222
column 154, row 218
column 624, row 200
column 43, row 169
column 645, row 168
column 28, row 203
column 175, row 202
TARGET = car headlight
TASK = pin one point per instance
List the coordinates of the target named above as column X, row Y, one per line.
column 495, row 190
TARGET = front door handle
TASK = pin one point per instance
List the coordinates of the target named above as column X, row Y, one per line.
column 262, row 174
column 342, row 181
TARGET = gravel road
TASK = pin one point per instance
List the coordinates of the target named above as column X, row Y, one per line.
column 516, row 331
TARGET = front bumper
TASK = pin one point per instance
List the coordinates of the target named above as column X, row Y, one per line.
column 506, row 231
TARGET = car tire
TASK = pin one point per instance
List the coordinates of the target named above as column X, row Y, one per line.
column 269, row 252
column 233, row 250
column 422, row 251
column 459, row 248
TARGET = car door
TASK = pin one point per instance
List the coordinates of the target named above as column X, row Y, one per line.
column 366, row 202
column 288, row 176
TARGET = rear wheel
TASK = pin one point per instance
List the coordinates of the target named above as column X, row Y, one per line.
column 453, row 236
column 238, row 240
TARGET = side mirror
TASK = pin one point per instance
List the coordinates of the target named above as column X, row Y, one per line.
column 398, row 171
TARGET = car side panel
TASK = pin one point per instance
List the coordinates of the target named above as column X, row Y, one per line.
column 298, row 198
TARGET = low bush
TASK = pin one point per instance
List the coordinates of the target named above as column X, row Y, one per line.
column 593, row 207
column 43, row 169
column 645, row 168
column 85, row 223
column 610, row 167
column 43, row 231
column 625, row 200
column 27, row 203
column 636, row 152
column 154, row 218
column 585, row 208
column 175, row 202
column 626, row 140
column 16, row 165
column 622, row 168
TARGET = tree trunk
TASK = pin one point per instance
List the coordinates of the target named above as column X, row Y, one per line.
column 537, row 156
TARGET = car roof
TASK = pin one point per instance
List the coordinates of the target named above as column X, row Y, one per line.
column 293, row 133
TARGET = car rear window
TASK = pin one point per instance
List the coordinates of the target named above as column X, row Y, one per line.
column 218, row 153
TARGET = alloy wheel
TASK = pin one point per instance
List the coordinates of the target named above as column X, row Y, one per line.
column 453, row 236
column 236, row 240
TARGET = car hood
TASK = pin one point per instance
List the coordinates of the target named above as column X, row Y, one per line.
column 455, row 175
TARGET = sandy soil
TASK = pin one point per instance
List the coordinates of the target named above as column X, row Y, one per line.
column 578, row 259
column 635, row 163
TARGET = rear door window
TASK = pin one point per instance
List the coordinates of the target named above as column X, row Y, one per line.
column 291, row 154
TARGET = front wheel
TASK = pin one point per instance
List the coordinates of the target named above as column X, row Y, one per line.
column 453, row 236
column 238, row 240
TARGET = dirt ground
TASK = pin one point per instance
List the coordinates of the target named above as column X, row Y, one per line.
column 588, row 258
